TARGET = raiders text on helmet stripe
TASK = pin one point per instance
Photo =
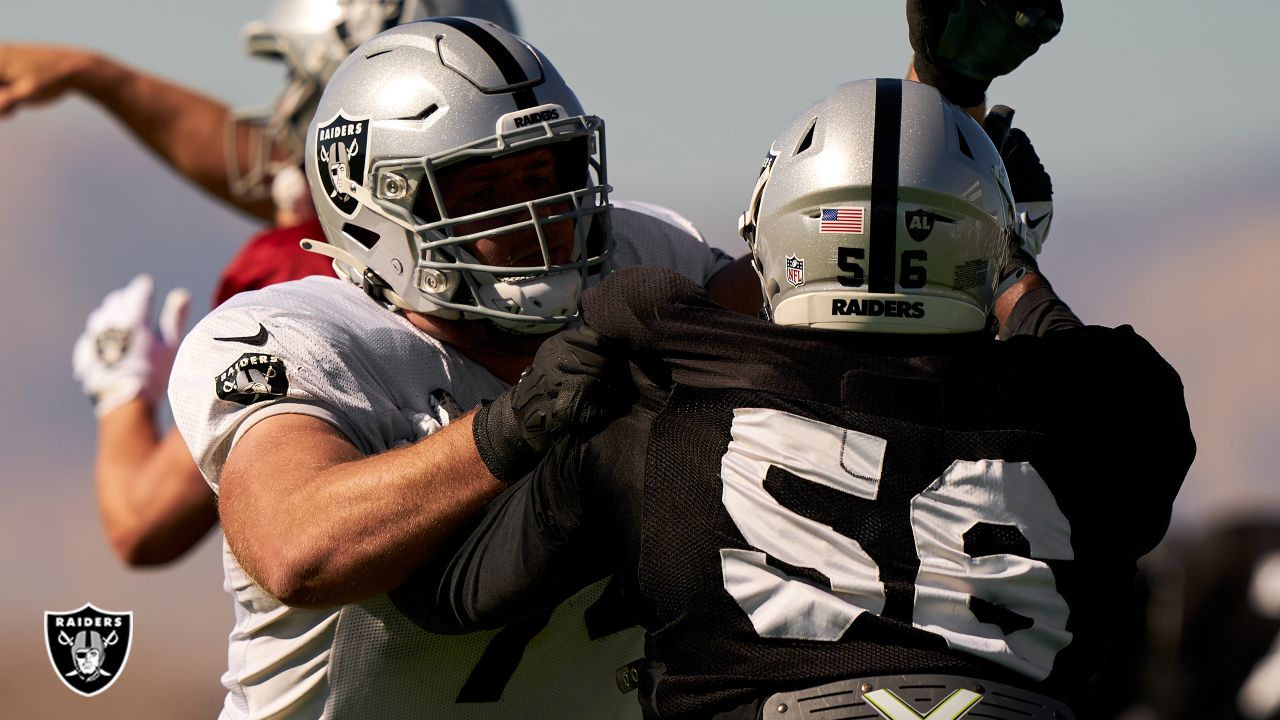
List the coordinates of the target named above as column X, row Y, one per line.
column 884, row 186
column 502, row 57
column 328, row 133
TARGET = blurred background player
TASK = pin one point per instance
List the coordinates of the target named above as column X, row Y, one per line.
column 1205, row 641
column 153, row 502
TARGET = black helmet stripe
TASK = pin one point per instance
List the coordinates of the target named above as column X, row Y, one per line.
column 884, row 186
column 501, row 56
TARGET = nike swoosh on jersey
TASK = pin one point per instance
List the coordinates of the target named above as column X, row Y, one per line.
column 1033, row 224
column 257, row 340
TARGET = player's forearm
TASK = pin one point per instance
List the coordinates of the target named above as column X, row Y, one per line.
column 532, row 549
column 185, row 129
column 1031, row 307
column 153, row 502
column 328, row 533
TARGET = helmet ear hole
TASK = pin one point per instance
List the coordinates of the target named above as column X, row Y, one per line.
column 772, row 287
column 364, row 236
column 807, row 141
column 964, row 144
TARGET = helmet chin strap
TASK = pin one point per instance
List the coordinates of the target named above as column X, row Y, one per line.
column 342, row 256
column 566, row 286
column 557, row 294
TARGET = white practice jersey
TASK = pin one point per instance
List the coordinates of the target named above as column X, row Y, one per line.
column 321, row 347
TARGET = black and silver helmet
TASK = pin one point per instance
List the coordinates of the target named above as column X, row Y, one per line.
column 881, row 208
column 431, row 96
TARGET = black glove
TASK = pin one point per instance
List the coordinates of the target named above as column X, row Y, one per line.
column 573, row 384
column 1029, row 181
column 962, row 45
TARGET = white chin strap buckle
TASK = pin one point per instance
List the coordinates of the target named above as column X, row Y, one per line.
column 540, row 297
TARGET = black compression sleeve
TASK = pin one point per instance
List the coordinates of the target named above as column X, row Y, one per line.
column 526, row 555
column 1039, row 312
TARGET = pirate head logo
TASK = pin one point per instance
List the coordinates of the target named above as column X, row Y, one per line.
column 253, row 378
column 341, row 147
column 795, row 270
column 112, row 345
column 88, row 647
column 920, row 223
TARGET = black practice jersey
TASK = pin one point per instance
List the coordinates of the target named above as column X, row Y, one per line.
column 787, row 507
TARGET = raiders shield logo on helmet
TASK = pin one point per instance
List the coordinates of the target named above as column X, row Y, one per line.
column 88, row 647
column 342, row 144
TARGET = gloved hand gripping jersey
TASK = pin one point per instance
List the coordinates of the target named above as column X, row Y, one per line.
column 573, row 385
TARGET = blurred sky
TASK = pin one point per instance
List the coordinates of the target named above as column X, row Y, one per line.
column 1156, row 118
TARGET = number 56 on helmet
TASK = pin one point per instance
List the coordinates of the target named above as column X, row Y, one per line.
column 882, row 208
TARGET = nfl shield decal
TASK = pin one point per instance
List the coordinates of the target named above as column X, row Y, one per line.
column 795, row 270
column 342, row 144
column 88, row 647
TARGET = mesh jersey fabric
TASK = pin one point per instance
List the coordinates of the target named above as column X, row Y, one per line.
column 819, row 505
column 272, row 256
column 1095, row 411
column 332, row 352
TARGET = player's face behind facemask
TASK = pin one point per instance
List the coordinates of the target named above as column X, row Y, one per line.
column 882, row 208
column 511, row 213
column 442, row 205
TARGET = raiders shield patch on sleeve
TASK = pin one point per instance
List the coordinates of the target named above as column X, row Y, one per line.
column 253, row 378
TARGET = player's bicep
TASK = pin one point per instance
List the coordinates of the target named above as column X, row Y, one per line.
column 267, row 478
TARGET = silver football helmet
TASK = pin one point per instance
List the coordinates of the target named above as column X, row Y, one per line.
column 404, row 116
column 882, row 208
column 313, row 37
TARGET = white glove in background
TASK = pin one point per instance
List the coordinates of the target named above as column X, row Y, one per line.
column 119, row 356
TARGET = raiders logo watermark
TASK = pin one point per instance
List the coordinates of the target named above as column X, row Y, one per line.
column 342, row 144
column 112, row 345
column 253, row 378
column 920, row 223
column 795, row 270
column 88, row 647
